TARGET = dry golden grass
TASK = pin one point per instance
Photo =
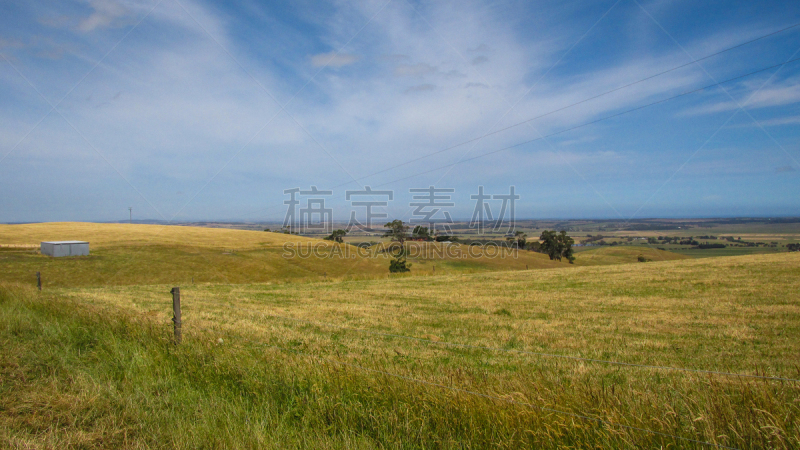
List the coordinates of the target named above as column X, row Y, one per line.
column 603, row 256
column 104, row 235
column 152, row 254
column 303, row 355
column 739, row 309
column 737, row 314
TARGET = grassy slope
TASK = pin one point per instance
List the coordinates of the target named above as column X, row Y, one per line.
column 148, row 254
column 602, row 256
column 728, row 251
column 153, row 254
column 124, row 381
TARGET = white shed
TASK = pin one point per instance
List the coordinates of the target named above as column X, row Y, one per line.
column 65, row 248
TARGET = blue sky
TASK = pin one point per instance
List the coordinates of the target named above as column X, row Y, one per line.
column 193, row 110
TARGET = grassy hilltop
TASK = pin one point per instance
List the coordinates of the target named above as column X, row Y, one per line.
column 451, row 360
column 152, row 254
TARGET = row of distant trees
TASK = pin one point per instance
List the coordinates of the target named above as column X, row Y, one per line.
column 556, row 245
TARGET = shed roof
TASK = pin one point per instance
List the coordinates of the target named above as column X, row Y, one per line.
column 65, row 242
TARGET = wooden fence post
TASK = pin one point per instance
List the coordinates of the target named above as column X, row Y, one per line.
column 39, row 280
column 176, row 311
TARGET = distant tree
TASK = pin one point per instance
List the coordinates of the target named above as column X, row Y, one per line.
column 336, row 236
column 517, row 240
column 267, row 229
column 793, row 247
column 399, row 264
column 421, row 232
column 445, row 238
column 398, row 232
column 534, row 246
column 557, row 245
column 707, row 245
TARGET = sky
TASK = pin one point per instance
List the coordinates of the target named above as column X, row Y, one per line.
column 191, row 110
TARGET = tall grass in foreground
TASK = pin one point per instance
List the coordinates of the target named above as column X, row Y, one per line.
column 78, row 376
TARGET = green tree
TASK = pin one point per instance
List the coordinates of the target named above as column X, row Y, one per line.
column 557, row 245
column 534, row 246
column 445, row 237
column 337, row 236
column 518, row 240
column 421, row 232
column 398, row 232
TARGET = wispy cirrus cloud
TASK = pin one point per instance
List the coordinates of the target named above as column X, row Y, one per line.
column 753, row 96
column 333, row 59
column 170, row 107
column 107, row 13
column 414, row 70
column 421, row 88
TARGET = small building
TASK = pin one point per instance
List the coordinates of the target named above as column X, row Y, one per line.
column 65, row 248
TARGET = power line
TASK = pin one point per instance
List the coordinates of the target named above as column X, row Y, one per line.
column 565, row 108
column 593, row 121
column 523, row 352
column 571, row 105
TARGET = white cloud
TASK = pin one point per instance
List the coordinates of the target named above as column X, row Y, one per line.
column 172, row 104
column 751, row 95
column 106, row 13
column 479, row 60
column 10, row 44
column 479, row 49
column 420, row 88
column 333, row 59
column 476, row 85
column 790, row 120
column 414, row 70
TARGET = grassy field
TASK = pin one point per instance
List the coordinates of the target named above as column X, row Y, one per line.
column 453, row 360
column 670, row 252
column 602, row 256
column 153, row 254
column 728, row 251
